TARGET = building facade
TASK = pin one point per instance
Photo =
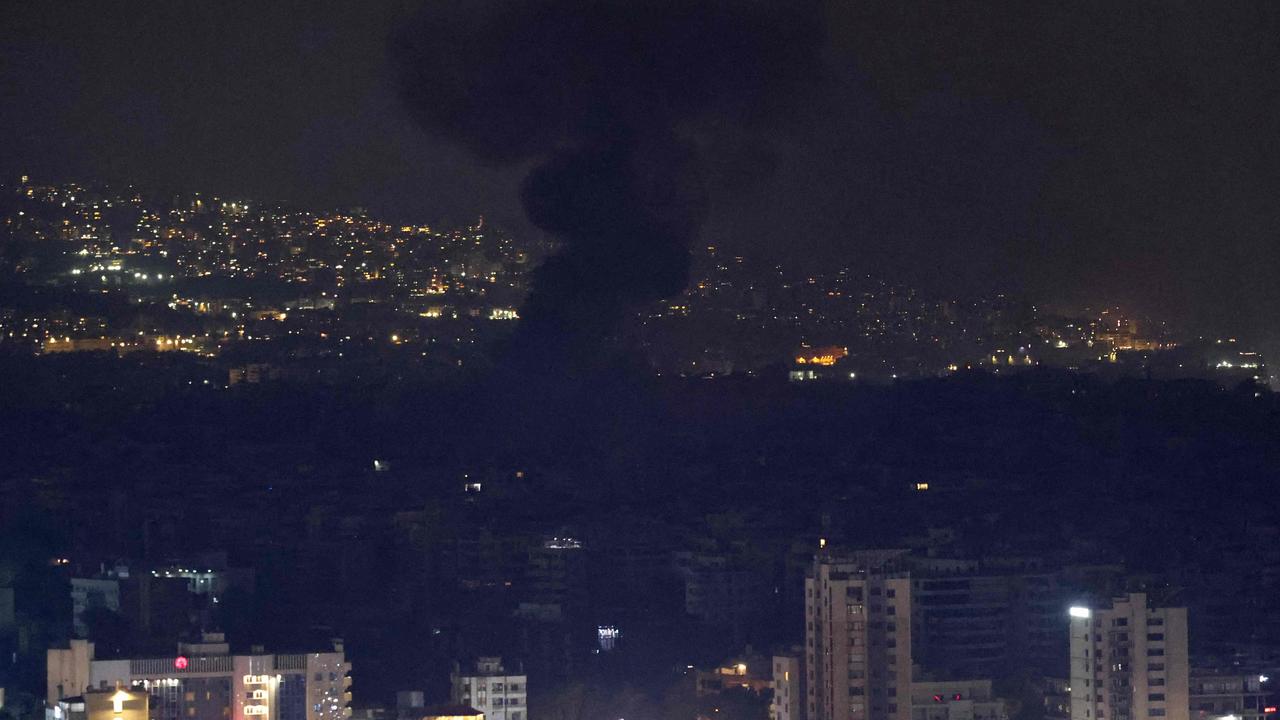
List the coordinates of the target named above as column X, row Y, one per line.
column 1216, row 696
column 204, row 681
column 956, row 700
column 971, row 624
column 789, row 700
column 1129, row 661
column 490, row 688
column 858, row 637
column 744, row 672
column 116, row 704
column 722, row 588
column 88, row 594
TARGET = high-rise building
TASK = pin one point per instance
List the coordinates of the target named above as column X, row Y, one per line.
column 491, row 689
column 204, row 681
column 980, row 624
column 858, row 637
column 1129, row 661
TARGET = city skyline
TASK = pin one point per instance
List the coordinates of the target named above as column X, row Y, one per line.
column 242, row 260
column 950, row 177
column 639, row 360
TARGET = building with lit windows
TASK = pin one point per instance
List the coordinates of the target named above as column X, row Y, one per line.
column 1221, row 695
column 788, row 687
column 205, row 681
column 1129, row 661
column 491, row 689
column 746, row 672
column 858, row 637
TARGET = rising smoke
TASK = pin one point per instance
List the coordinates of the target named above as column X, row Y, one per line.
column 617, row 105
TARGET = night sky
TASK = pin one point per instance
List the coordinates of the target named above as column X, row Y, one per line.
column 1089, row 152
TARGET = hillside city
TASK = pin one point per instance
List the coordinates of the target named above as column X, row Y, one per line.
column 263, row 461
column 264, row 290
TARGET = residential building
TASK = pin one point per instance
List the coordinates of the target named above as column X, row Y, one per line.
column 491, row 689
column 1219, row 695
column 205, row 681
column 789, row 702
column 157, row 604
column 1057, row 698
column 975, row 623
column 88, row 594
column 748, row 671
column 722, row 588
column 956, row 700
column 858, row 637
column 1129, row 661
column 556, row 574
column 410, row 704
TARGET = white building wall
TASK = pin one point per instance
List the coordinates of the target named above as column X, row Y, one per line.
column 499, row 697
column 858, row 638
column 67, row 671
column 1133, row 648
column 788, row 702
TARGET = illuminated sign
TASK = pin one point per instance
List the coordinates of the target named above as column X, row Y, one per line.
column 255, row 710
column 256, row 679
column 180, row 662
column 1079, row 612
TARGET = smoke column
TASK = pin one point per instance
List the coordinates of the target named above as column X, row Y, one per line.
column 616, row 104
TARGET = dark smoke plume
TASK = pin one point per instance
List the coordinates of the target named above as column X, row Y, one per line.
column 618, row 104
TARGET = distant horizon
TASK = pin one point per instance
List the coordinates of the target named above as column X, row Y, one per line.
column 1061, row 307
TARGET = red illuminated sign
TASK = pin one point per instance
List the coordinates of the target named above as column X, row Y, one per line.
column 180, row 662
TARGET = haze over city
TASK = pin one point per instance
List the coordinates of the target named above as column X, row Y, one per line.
column 619, row 360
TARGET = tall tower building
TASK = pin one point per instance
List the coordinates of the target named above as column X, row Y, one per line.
column 858, row 637
column 1129, row 661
